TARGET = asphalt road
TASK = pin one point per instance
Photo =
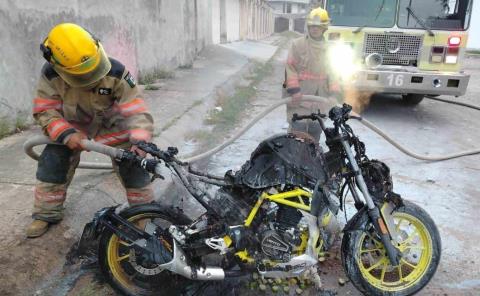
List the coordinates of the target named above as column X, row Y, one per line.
column 446, row 190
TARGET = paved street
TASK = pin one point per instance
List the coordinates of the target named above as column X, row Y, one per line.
column 447, row 190
column 177, row 105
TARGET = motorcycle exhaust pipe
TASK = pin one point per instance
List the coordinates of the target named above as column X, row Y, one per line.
column 180, row 266
column 234, row 273
column 204, row 274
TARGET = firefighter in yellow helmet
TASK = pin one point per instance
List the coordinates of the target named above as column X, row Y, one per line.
column 307, row 71
column 82, row 93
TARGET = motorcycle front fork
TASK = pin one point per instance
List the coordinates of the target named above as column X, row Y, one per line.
column 376, row 218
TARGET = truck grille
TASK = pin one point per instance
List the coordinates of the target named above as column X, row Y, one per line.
column 396, row 48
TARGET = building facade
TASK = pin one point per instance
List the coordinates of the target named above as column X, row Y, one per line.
column 290, row 15
column 289, row 7
column 155, row 35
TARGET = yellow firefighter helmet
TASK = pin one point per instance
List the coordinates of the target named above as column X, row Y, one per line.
column 76, row 55
column 318, row 17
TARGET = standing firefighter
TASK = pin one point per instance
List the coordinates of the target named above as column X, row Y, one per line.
column 307, row 71
column 84, row 94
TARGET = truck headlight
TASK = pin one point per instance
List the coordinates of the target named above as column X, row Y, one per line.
column 451, row 59
column 374, row 60
column 452, row 55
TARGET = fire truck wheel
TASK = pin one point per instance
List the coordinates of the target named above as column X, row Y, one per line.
column 412, row 99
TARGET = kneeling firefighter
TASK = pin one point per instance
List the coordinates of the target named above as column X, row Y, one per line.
column 308, row 72
column 83, row 94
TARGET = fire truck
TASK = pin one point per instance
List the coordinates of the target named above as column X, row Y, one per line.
column 408, row 47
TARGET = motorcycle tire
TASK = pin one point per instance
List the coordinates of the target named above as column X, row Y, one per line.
column 366, row 263
column 119, row 266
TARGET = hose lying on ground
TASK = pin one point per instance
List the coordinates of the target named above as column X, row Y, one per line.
column 453, row 102
column 40, row 140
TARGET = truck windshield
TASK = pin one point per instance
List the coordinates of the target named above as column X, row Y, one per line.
column 451, row 15
column 366, row 13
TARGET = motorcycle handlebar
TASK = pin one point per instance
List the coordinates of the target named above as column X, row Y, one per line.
column 336, row 114
column 339, row 115
column 297, row 117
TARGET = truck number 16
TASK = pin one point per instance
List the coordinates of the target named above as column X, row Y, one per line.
column 395, row 80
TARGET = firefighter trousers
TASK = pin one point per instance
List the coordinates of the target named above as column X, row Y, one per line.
column 56, row 168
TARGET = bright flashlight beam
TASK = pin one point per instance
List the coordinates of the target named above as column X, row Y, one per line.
column 342, row 60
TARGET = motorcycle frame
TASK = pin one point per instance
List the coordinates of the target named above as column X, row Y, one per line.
column 343, row 135
column 381, row 221
column 281, row 198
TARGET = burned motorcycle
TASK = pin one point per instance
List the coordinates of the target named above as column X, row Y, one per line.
column 274, row 217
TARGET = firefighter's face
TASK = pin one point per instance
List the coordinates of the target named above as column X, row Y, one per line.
column 316, row 32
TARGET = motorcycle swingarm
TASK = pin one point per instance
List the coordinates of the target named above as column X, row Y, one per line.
column 154, row 243
column 107, row 218
column 88, row 241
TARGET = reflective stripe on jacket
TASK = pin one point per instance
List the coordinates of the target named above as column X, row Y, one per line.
column 112, row 112
column 307, row 71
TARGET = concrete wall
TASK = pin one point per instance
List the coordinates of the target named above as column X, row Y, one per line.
column 244, row 19
column 256, row 19
column 144, row 35
column 232, row 9
column 215, row 21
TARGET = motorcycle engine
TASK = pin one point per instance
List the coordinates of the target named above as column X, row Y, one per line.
column 233, row 204
column 280, row 239
column 274, row 246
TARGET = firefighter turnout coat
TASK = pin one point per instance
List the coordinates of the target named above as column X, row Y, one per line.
column 111, row 112
column 308, row 71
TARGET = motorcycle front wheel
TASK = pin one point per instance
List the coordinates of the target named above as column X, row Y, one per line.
column 120, row 265
column 368, row 267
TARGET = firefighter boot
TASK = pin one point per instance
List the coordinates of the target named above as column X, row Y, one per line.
column 37, row 228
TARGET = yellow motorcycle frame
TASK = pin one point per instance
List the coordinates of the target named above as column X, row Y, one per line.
column 295, row 198
column 291, row 198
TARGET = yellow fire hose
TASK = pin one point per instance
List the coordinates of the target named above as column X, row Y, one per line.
column 42, row 140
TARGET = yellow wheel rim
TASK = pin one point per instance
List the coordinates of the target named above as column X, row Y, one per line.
column 416, row 245
column 115, row 257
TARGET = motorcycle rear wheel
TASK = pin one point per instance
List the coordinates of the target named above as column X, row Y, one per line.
column 119, row 266
column 368, row 267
